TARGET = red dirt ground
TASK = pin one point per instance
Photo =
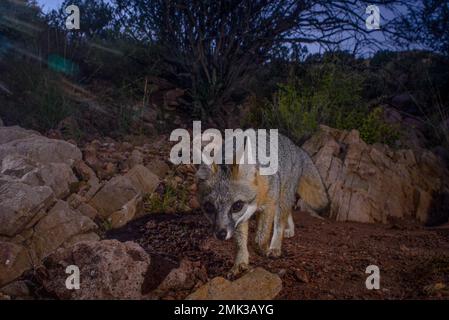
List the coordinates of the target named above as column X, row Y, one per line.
column 324, row 260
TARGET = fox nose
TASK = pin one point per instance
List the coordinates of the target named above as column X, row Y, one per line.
column 221, row 234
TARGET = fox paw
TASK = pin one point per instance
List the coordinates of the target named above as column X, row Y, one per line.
column 273, row 253
column 288, row 233
column 236, row 270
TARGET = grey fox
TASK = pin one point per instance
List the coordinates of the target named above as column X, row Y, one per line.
column 230, row 194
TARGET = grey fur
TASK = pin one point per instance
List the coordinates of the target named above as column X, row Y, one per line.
column 295, row 167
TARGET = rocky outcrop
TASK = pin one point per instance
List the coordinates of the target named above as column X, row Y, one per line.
column 35, row 178
column 257, row 284
column 370, row 183
column 109, row 269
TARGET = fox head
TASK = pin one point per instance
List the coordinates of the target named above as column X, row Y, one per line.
column 227, row 194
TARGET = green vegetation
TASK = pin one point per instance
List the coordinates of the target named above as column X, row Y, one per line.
column 104, row 76
column 173, row 198
column 327, row 94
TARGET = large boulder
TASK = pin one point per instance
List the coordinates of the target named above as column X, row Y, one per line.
column 8, row 134
column 109, row 269
column 16, row 165
column 370, row 183
column 15, row 140
column 257, row 284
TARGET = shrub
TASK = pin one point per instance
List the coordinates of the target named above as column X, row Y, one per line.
column 325, row 94
column 374, row 129
column 328, row 94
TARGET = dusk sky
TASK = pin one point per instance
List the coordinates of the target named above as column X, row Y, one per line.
column 48, row 5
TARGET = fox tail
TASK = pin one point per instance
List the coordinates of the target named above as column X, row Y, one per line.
column 311, row 188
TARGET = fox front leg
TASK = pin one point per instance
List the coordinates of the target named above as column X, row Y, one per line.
column 241, row 261
column 265, row 221
column 280, row 221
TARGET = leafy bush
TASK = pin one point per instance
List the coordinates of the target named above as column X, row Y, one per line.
column 328, row 94
column 374, row 129
column 171, row 197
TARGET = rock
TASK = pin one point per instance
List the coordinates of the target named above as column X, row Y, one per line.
column 158, row 167
column 370, row 183
column 114, row 195
column 107, row 171
column 59, row 225
column 90, row 157
column 135, row 158
column 16, row 289
column 19, row 204
column 87, row 210
column 58, row 176
column 185, row 277
column 93, row 187
column 194, row 204
column 301, row 276
column 41, row 149
column 8, row 134
column 83, row 171
column 14, row 261
column 144, row 180
column 118, row 191
column 16, row 165
column 91, row 236
column 126, row 213
column 109, row 269
column 126, row 146
column 257, row 284
column 75, row 200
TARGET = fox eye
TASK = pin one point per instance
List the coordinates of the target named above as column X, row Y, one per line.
column 237, row 206
column 209, row 207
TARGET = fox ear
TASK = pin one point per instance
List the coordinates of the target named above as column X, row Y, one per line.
column 206, row 171
column 244, row 171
